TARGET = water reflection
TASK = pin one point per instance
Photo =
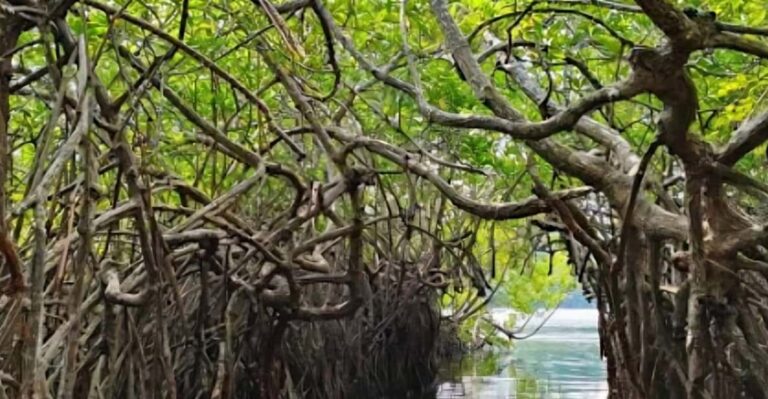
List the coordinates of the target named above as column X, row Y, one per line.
column 561, row 361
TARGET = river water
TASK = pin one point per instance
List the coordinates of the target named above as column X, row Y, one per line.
column 561, row 361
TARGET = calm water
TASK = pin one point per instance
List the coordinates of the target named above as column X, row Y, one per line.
column 561, row 361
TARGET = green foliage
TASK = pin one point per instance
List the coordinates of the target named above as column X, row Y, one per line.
column 523, row 283
column 536, row 287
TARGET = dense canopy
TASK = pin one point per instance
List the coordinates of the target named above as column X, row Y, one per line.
column 233, row 198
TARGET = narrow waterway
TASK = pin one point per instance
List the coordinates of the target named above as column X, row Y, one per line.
column 561, row 361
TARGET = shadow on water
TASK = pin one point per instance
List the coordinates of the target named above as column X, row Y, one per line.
column 561, row 361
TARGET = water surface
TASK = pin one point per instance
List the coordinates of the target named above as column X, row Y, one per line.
column 561, row 361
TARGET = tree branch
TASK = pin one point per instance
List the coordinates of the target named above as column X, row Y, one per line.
column 746, row 138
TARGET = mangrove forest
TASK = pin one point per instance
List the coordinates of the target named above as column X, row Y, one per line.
column 326, row 199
